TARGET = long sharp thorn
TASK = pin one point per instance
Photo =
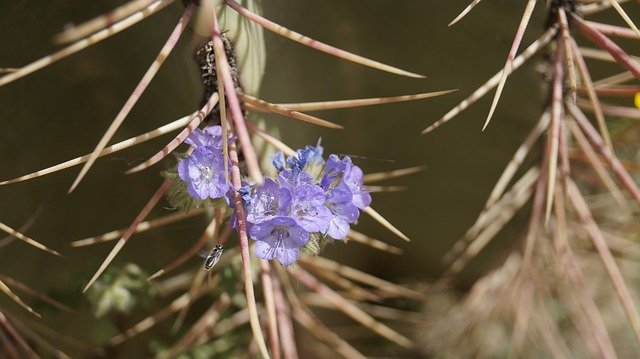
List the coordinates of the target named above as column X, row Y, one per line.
column 338, row 104
column 4, row 288
column 137, row 92
column 105, row 20
column 493, row 81
column 83, row 44
column 281, row 110
column 554, row 130
column 22, row 237
column 108, row 150
column 378, row 217
column 254, row 170
column 512, row 54
column 625, row 17
column 181, row 137
column 621, row 289
column 608, row 45
column 331, row 50
column 464, row 12
column 141, row 216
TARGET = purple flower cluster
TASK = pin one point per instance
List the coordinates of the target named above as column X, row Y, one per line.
column 203, row 170
column 310, row 201
column 310, row 198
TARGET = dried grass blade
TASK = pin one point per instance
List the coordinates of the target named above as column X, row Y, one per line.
column 22, row 237
column 608, row 261
column 338, row 104
column 464, row 12
column 349, row 309
column 83, row 44
column 292, row 35
column 100, row 22
column 254, row 104
column 137, row 93
column 108, row 150
column 526, row 16
column 4, row 288
column 372, row 242
column 181, row 137
column 125, row 237
column 378, row 217
column 487, row 86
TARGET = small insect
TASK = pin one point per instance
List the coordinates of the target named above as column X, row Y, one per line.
column 213, row 257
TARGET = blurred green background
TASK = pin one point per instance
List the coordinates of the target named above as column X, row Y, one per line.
column 60, row 113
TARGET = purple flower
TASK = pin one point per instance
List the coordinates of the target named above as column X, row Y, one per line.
column 267, row 201
column 278, row 161
column 203, row 171
column 308, row 209
column 279, row 237
column 340, row 202
column 337, row 171
column 210, row 136
column 334, row 170
column 291, row 179
column 354, row 179
column 311, row 156
column 307, row 156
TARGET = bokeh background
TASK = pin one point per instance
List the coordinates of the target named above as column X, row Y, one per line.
column 60, row 113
